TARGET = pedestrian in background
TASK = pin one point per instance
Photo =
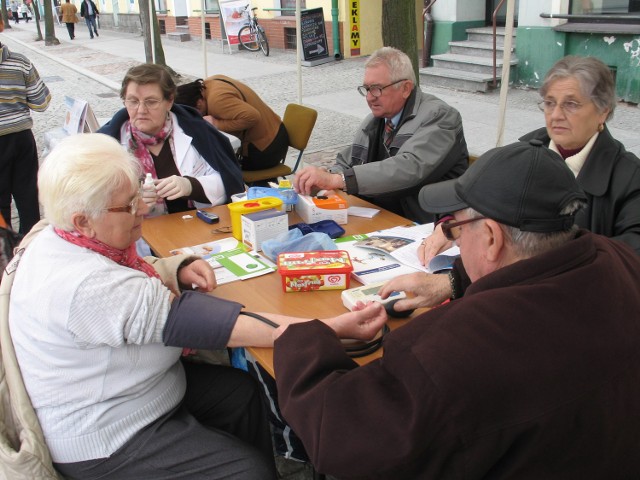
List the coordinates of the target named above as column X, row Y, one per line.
column 89, row 12
column 14, row 11
column 22, row 90
column 24, row 10
column 69, row 17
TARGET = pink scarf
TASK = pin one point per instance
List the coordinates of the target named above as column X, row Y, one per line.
column 139, row 141
column 127, row 257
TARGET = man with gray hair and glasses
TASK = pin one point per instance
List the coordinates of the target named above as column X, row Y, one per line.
column 410, row 139
column 534, row 373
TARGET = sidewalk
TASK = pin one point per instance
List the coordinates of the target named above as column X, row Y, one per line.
column 330, row 88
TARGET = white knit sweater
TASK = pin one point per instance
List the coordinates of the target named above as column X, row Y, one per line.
column 88, row 338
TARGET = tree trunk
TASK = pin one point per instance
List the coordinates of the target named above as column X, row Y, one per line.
column 36, row 18
column 5, row 15
column 399, row 28
column 146, row 32
column 49, row 31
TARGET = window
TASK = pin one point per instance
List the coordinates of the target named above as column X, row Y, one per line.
column 601, row 7
column 291, row 4
column 211, row 6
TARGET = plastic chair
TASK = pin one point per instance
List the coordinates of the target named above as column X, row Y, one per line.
column 299, row 122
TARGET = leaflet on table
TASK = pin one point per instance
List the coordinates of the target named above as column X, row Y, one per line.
column 231, row 259
column 371, row 265
column 408, row 253
column 385, row 254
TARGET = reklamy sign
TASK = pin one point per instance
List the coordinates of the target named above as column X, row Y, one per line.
column 314, row 36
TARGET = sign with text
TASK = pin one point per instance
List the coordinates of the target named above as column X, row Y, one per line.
column 314, row 36
column 354, row 27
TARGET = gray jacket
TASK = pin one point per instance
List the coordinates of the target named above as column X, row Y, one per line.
column 429, row 147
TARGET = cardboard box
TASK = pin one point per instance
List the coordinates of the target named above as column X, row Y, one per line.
column 317, row 270
column 263, row 225
column 327, row 207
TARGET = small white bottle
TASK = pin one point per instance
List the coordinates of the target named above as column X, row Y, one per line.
column 148, row 183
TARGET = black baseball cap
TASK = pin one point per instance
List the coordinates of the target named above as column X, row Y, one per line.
column 524, row 185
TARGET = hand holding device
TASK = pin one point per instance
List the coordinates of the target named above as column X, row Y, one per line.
column 369, row 293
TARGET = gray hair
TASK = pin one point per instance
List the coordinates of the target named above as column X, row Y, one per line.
column 594, row 77
column 396, row 61
column 530, row 244
column 81, row 175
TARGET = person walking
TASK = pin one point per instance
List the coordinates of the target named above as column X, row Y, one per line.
column 19, row 159
column 24, row 10
column 69, row 17
column 14, row 11
column 89, row 12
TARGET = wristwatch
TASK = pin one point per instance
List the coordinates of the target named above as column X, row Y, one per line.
column 344, row 182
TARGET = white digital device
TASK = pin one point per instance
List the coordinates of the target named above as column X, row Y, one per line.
column 368, row 293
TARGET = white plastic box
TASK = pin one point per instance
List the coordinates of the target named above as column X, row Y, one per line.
column 328, row 207
column 263, row 225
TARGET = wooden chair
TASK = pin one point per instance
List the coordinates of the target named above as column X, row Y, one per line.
column 299, row 122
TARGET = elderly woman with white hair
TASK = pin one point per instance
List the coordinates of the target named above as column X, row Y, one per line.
column 98, row 334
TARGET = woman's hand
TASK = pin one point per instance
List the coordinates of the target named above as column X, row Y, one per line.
column 428, row 290
column 198, row 273
column 173, row 187
column 433, row 245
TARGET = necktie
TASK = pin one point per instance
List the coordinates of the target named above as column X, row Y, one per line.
column 388, row 132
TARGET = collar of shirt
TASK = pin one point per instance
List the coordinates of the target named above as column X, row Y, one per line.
column 396, row 118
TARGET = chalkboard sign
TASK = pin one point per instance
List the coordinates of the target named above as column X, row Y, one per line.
column 314, row 36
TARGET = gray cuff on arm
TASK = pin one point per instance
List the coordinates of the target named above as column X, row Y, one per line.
column 197, row 320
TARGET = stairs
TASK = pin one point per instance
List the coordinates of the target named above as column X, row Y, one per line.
column 469, row 64
column 180, row 35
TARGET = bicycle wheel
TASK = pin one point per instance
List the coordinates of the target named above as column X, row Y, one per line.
column 262, row 40
column 247, row 37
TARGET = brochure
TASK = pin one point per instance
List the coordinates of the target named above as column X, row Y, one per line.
column 385, row 254
column 232, row 260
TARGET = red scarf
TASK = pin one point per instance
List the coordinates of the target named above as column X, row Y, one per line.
column 127, row 257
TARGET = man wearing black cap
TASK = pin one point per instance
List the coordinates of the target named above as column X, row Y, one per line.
column 534, row 373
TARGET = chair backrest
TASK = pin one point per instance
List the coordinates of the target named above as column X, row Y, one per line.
column 299, row 122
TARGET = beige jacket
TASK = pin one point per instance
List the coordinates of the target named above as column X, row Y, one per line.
column 23, row 452
column 69, row 12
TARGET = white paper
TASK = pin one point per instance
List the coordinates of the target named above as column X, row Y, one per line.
column 363, row 212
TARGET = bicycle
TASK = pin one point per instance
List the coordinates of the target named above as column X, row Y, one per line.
column 252, row 36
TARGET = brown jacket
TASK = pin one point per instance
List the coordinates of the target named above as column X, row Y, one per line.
column 249, row 119
column 69, row 13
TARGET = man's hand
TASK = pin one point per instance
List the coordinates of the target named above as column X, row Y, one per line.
column 173, row 187
column 313, row 178
column 198, row 273
column 433, row 245
column 428, row 290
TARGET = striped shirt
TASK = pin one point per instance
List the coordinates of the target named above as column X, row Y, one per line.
column 21, row 89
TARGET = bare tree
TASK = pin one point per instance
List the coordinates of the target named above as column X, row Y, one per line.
column 146, row 32
column 399, row 28
column 36, row 17
column 49, row 31
column 5, row 16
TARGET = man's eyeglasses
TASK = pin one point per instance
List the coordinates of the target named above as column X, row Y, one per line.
column 132, row 208
column 452, row 230
column 569, row 108
column 150, row 104
column 376, row 90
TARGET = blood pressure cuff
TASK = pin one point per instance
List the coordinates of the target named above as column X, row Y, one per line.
column 198, row 320
column 329, row 227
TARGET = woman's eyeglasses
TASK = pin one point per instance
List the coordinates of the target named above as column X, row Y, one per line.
column 376, row 90
column 569, row 108
column 149, row 104
column 132, row 208
column 452, row 230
